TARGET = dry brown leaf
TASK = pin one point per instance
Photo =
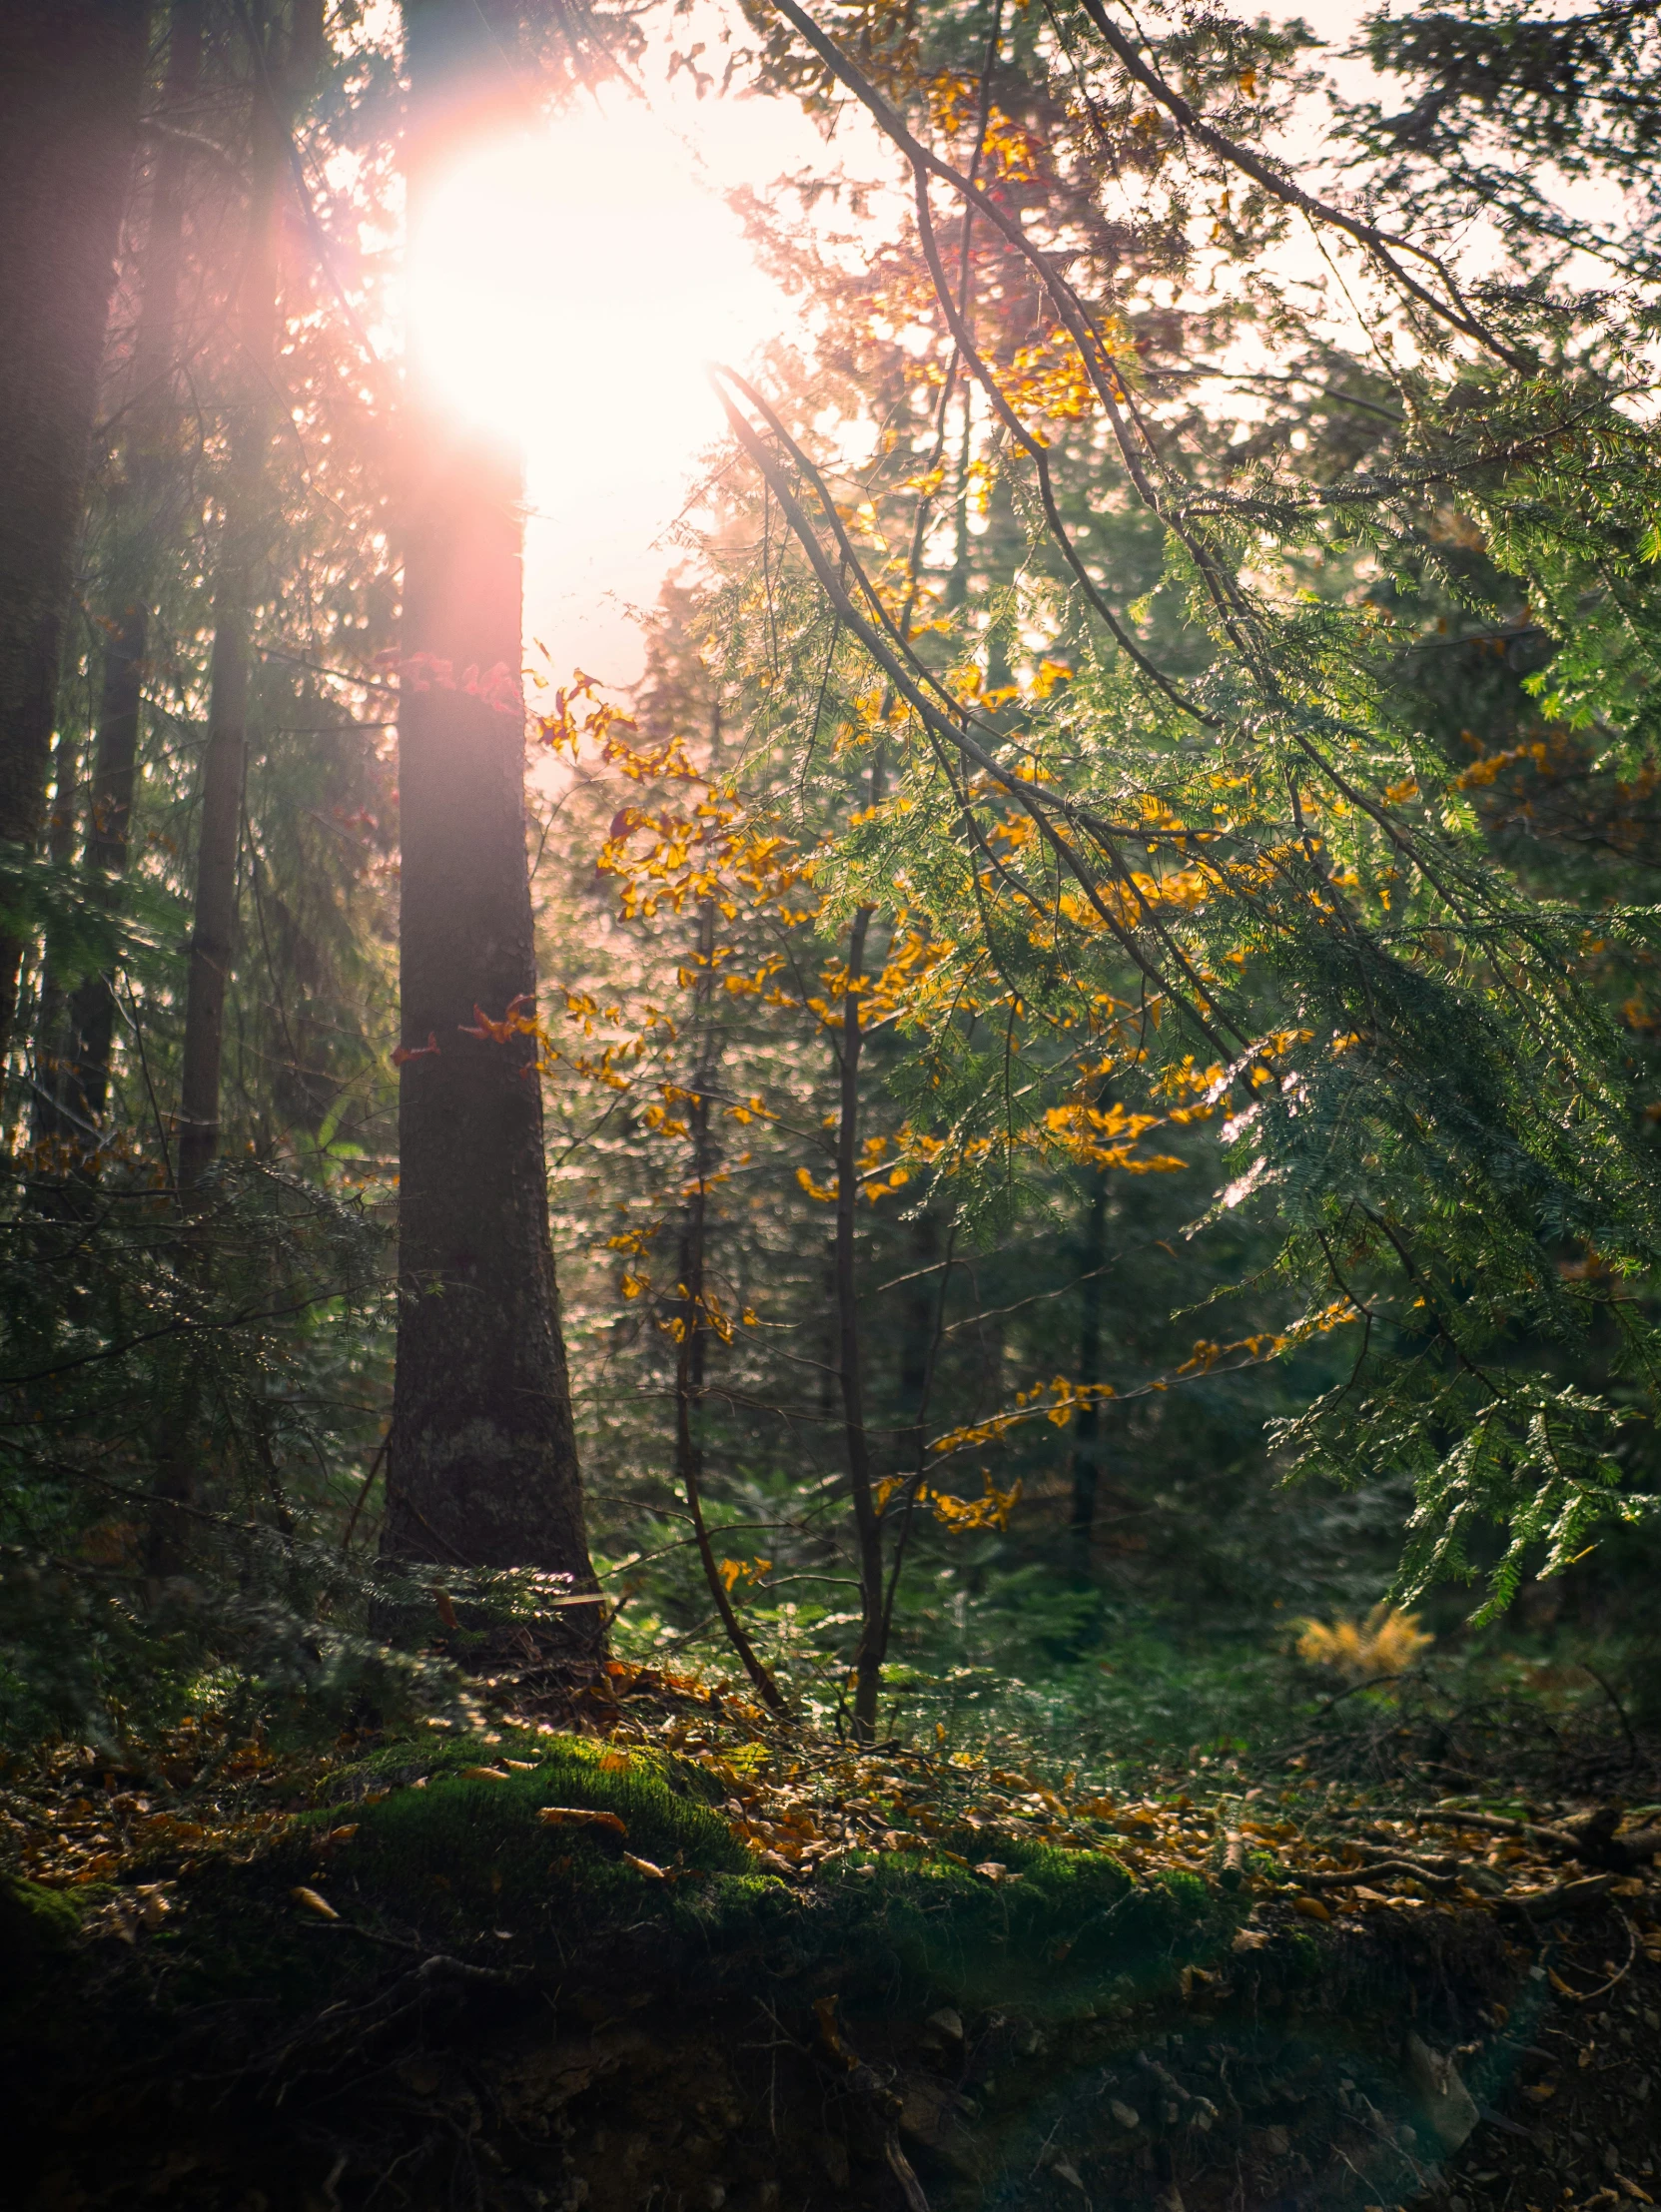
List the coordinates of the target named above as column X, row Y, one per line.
column 645, row 1867
column 1312, row 1909
column 579, row 1816
column 483, row 1774
column 314, row 1903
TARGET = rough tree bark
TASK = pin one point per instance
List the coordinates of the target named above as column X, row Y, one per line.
column 280, row 69
column 147, row 488
column 482, row 1465
column 71, row 78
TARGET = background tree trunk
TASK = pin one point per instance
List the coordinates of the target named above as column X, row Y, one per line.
column 140, row 505
column 482, row 1468
column 866, row 1526
column 47, row 1118
column 693, row 1312
column 71, row 75
column 1087, row 1435
column 279, row 72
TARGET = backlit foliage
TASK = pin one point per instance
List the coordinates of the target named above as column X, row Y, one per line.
column 1386, row 1641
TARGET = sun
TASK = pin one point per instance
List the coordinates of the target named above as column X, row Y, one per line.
column 567, row 287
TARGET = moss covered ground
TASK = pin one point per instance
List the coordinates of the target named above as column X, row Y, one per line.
column 661, row 1952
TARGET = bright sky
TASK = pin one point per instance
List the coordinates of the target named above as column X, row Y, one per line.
column 572, row 286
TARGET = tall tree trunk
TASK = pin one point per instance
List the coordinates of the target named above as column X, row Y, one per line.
column 141, row 499
column 71, row 77
column 280, row 69
column 482, row 1468
column 1087, row 1435
column 276, row 79
column 866, row 1526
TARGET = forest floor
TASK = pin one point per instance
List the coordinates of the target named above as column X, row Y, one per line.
column 646, row 1946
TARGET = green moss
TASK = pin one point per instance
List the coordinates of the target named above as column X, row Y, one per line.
column 38, row 1929
column 409, row 1848
column 475, row 1838
column 34, row 1920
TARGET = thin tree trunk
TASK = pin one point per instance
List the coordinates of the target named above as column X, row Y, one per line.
column 1087, row 1433
column 48, row 1120
column 866, row 1526
column 917, row 1339
column 71, row 78
column 140, row 505
column 918, row 1434
column 694, row 1330
column 278, row 76
column 275, row 83
column 482, row 1468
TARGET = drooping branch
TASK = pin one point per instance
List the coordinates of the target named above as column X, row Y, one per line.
column 1384, row 246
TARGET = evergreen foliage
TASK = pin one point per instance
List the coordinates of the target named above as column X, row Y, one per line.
column 1125, row 895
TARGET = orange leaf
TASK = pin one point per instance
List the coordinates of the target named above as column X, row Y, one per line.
column 579, row 1816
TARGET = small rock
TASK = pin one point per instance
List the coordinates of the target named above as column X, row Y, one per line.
column 948, row 2021
column 933, row 2115
column 1449, row 2104
column 1124, row 2114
